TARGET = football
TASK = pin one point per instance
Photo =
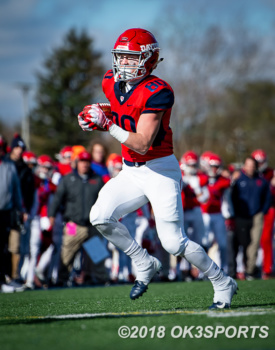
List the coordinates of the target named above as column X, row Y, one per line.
column 106, row 108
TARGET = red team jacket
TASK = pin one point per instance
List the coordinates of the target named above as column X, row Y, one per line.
column 151, row 95
column 216, row 190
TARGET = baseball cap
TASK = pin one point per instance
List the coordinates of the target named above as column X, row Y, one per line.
column 85, row 156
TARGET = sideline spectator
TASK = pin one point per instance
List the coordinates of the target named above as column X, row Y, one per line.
column 30, row 159
column 269, row 218
column 76, row 150
column 26, row 178
column 251, row 199
column 99, row 154
column 77, row 191
column 10, row 200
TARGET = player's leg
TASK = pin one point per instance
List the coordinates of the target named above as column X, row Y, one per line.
column 252, row 249
column 198, row 227
column 35, row 243
column 219, row 229
column 121, row 195
column 118, row 197
column 169, row 221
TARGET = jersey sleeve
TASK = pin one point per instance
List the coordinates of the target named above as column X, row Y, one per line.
column 161, row 100
column 107, row 83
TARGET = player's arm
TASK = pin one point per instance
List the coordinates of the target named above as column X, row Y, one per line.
column 140, row 141
column 147, row 129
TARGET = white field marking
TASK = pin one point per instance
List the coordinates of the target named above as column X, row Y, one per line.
column 218, row 313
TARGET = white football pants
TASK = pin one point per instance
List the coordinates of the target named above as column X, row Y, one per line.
column 159, row 182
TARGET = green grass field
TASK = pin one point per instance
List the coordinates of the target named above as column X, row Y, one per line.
column 30, row 320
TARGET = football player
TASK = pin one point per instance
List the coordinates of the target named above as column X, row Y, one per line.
column 269, row 218
column 41, row 229
column 141, row 105
column 213, row 219
column 64, row 158
column 194, row 192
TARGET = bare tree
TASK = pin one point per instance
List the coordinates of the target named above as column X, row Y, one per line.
column 201, row 63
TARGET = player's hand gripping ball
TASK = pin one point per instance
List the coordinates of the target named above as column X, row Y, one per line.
column 96, row 117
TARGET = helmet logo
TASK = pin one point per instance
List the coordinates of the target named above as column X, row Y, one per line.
column 148, row 47
column 121, row 98
column 124, row 38
column 122, row 47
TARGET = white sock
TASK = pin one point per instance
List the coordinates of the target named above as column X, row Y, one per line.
column 118, row 234
column 197, row 256
column 140, row 256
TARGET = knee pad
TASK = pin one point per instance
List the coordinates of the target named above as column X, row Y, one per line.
column 173, row 246
column 171, row 235
column 96, row 216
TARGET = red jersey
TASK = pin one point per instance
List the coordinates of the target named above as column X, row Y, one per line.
column 63, row 169
column 268, row 174
column 216, row 191
column 188, row 196
column 151, row 95
column 44, row 188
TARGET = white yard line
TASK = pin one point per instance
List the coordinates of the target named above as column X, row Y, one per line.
column 218, row 314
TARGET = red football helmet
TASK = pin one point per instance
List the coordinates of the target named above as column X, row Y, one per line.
column 260, row 156
column 114, row 164
column 29, row 157
column 189, row 162
column 140, row 42
column 66, row 152
column 210, row 160
column 204, row 161
column 215, row 160
column 44, row 167
column 45, row 161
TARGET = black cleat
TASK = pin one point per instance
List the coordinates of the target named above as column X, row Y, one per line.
column 138, row 289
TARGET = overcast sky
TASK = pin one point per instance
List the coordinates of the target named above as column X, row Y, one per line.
column 29, row 29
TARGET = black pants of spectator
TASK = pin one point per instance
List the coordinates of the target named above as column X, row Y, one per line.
column 239, row 237
column 5, row 258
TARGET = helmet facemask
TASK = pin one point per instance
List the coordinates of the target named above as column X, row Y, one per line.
column 131, row 73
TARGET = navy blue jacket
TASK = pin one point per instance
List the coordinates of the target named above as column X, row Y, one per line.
column 250, row 196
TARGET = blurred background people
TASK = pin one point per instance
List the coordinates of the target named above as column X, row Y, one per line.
column 194, row 193
column 268, row 228
column 27, row 185
column 213, row 218
column 64, row 157
column 251, row 198
column 41, row 228
column 10, row 201
column 77, row 191
column 99, row 154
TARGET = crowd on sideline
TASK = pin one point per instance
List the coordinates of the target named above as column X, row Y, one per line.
column 46, row 239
